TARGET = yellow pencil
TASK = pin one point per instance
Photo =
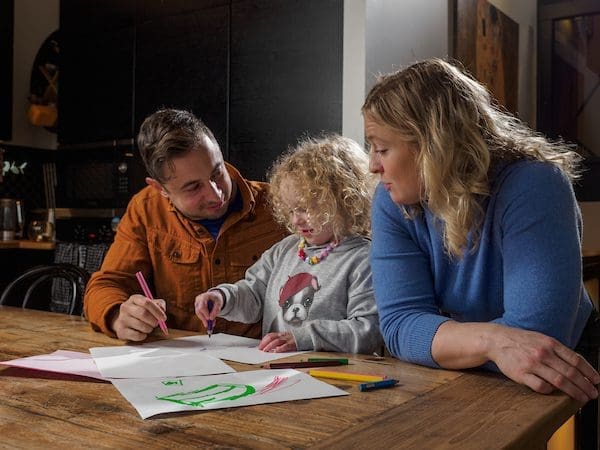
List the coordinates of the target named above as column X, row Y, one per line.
column 347, row 376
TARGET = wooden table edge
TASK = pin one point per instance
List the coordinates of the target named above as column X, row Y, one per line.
column 424, row 422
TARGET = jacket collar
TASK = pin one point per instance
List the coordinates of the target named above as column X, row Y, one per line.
column 248, row 195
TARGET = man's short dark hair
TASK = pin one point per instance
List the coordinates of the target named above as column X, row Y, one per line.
column 166, row 134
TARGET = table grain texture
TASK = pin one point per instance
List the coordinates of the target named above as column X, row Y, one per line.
column 430, row 409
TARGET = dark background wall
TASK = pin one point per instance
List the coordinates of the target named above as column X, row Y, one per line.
column 260, row 73
column 6, row 66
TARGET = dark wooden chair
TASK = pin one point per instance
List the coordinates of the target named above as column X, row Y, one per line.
column 33, row 278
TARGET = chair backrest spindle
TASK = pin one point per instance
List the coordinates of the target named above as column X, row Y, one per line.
column 75, row 275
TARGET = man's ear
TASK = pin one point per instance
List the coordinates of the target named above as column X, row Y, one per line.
column 156, row 185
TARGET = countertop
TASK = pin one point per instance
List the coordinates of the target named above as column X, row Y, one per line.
column 27, row 244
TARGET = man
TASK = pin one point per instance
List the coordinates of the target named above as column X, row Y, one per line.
column 198, row 223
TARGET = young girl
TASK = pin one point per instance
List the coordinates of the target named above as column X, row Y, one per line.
column 313, row 289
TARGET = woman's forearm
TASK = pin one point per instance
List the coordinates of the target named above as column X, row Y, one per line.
column 463, row 345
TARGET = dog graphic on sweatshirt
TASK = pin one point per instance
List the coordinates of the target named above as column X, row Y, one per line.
column 296, row 297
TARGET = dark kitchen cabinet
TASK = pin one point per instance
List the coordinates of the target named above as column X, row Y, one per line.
column 147, row 10
column 260, row 73
column 286, row 77
column 181, row 62
column 95, row 15
column 122, row 60
column 6, row 67
column 96, row 88
column 96, row 64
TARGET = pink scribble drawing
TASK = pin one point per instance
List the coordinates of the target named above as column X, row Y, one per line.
column 277, row 385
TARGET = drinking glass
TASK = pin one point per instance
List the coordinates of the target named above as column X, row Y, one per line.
column 40, row 231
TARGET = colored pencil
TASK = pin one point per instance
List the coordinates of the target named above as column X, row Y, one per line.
column 140, row 277
column 346, row 376
column 209, row 327
column 302, row 364
column 377, row 385
column 343, row 361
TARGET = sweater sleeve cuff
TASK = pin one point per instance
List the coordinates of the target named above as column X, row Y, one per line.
column 227, row 303
column 303, row 340
column 420, row 349
column 107, row 318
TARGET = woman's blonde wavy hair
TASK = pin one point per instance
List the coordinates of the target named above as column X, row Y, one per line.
column 461, row 135
column 331, row 177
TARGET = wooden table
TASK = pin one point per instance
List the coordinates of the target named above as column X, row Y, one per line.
column 430, row 409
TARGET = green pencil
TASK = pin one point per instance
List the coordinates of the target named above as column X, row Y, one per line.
column 342, row 361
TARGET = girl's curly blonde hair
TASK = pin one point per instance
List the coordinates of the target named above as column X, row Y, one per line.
column 331, row 177
column 461, row 136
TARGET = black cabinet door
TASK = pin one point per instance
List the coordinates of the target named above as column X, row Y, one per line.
column 96, row 80
column 147, row 10
column 6, row 66
column 91, row 16
column 96, row 91
column 181, row 62
column 286, row 77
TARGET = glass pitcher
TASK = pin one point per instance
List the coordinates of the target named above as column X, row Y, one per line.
column 8, row 219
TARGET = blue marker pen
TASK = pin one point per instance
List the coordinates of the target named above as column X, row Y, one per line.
column 377, row 385
column 209, row 328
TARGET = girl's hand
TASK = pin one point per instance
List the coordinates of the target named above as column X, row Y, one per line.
column 278, row 343
column 201, row 306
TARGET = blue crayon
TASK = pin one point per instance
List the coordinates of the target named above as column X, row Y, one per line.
column 377, row 385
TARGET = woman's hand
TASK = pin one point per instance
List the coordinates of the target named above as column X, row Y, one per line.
column 543, row 363
column 278, row 342
column 527, row 357
column 201, row 306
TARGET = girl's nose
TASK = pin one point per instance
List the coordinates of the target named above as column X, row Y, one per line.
column 298, row 216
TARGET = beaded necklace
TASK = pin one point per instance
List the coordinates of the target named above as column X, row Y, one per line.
column 312, row 260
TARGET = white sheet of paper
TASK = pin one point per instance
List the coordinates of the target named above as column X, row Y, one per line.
column 156, row 361
column 234, row 348
column 181, row 357
column 151, row 396
column 61, row 361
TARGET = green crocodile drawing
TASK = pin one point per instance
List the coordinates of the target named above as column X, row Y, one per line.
column 210, row 394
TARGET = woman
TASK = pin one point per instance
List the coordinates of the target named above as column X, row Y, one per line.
column 476, row 234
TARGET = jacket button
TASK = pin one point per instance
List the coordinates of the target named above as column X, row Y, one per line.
column 217, row 261
column 176, row 254
column 254, row 258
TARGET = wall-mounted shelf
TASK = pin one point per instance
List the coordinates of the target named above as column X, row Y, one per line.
column 27, row 245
